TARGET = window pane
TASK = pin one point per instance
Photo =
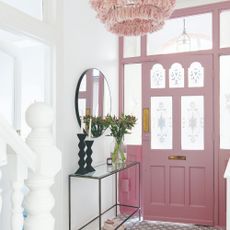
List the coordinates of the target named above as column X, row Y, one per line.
column 224, row 102
column 95, row 99
column 170, row 38
column 157, row 76
column 132, row 47
column 33, row 8
column 107, row 100
column 176, row 76
column 192, row 122
column 196, row 75
column 82, row 107
column 224, row 29
column 133, row 101
column 7, row 87
column 83, row 84
column 35, row 77
column 161, row 122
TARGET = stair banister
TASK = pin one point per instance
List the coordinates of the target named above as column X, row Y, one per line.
column 21, row 159
column 11, row 138
column 40, row 201
column 17, row 173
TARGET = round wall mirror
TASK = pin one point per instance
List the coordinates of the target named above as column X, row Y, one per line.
column 92, row 96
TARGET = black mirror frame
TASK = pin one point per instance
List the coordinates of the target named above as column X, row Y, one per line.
column 77, row 93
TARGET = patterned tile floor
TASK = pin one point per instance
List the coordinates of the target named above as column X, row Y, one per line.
column 156, row 225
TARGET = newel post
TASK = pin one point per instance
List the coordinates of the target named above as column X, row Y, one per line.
column 39, row 201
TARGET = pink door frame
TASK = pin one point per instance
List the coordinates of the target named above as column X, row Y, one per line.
column 220, row 156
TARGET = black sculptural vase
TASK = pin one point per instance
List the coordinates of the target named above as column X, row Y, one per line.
column 81, row 154
column 89, row 152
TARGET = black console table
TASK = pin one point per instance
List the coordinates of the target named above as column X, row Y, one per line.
column 103, row 171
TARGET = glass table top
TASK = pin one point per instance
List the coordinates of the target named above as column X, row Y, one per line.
column 104, row 170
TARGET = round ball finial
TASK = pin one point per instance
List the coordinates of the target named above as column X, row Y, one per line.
column 39, row 115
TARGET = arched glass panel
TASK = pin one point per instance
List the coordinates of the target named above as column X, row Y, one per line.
column 196, row 75
column 157, row 76
column 176, row 76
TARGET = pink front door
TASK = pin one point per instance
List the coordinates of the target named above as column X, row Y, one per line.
column 178, row 139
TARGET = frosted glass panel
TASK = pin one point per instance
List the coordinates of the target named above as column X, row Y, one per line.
column 157, row 76
column 161, row 122
column 7, row 87
column 133, row 101
column 225, row 29
column 165, row 40
column 176, row 76
column 33, row 8
column 196, row 75
column 132, row 46
column 192, row 122
column 224, row 102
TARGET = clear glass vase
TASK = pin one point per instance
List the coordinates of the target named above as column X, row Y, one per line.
column 118, row 155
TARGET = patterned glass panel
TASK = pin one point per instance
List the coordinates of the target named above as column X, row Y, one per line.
column 176, row 76
column 224, row 102
column 196, row 75
column 161, row 122
column 192, row 122
column 157, row 76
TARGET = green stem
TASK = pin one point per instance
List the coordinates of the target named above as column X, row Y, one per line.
column 115, row 152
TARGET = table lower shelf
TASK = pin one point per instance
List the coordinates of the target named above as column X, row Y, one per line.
column 136, row 209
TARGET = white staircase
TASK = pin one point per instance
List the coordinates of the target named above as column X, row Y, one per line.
column 34, row 165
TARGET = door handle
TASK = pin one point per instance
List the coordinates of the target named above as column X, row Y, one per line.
column 176, row 157
column 146, row 120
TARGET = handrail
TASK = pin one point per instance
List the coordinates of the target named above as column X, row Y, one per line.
column 11, row 138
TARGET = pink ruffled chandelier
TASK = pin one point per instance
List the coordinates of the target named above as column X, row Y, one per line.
column 133, row 17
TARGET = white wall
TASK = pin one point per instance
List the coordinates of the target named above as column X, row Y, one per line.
column 86, row 44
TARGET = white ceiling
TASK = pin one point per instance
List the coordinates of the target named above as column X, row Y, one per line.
column 189, row 3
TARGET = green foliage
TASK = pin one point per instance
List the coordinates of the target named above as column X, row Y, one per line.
column 119, row 126
column 98, row 126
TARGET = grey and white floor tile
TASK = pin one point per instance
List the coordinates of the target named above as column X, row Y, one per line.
column 134, row 224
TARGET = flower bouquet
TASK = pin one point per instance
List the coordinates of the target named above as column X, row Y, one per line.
column 119, row 126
